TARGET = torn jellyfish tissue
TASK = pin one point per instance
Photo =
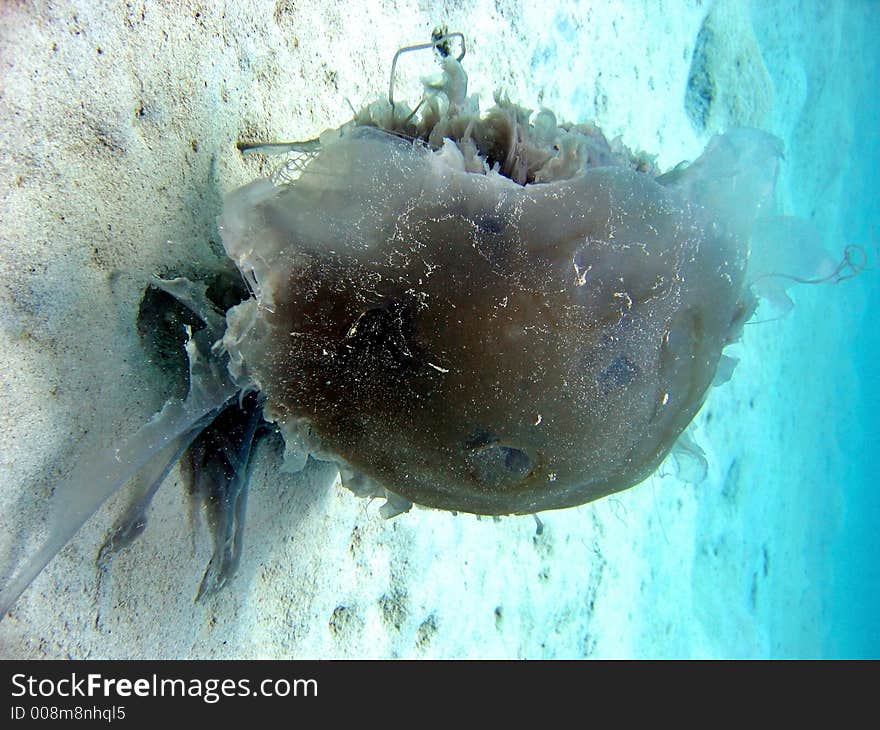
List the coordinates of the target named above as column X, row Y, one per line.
column 487, row 312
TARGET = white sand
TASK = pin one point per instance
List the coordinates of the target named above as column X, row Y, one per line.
column 117, row 131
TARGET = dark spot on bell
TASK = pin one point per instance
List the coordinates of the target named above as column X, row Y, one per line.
column 498, row 466
column 620, row 373
column 381, row 338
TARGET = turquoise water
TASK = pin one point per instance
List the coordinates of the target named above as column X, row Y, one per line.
column 855, row 589
column 831, row 53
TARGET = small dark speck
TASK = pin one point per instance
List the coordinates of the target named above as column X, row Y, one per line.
column 751, row 403
column 100, row 51
column 194, row 145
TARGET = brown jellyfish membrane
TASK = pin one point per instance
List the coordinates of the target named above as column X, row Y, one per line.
column 490, row 313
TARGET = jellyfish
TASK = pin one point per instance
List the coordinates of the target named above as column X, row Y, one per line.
column 488, row 312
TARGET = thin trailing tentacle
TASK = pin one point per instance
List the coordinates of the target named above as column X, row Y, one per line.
column 309, row 146
column 434, row 43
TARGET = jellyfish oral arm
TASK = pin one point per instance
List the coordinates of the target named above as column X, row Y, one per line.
column 96, row 478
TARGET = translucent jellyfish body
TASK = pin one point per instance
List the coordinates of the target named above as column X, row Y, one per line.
column 503, row 317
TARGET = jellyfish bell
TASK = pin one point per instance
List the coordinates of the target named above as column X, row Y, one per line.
column 495, row 318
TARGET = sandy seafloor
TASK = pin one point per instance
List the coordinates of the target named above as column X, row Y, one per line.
column 117, row 131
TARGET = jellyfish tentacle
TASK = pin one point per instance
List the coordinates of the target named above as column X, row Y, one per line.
column 133, row 521
column 218, row 466
column 92, row 481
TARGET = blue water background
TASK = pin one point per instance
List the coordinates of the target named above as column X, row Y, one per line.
column 831, row 51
